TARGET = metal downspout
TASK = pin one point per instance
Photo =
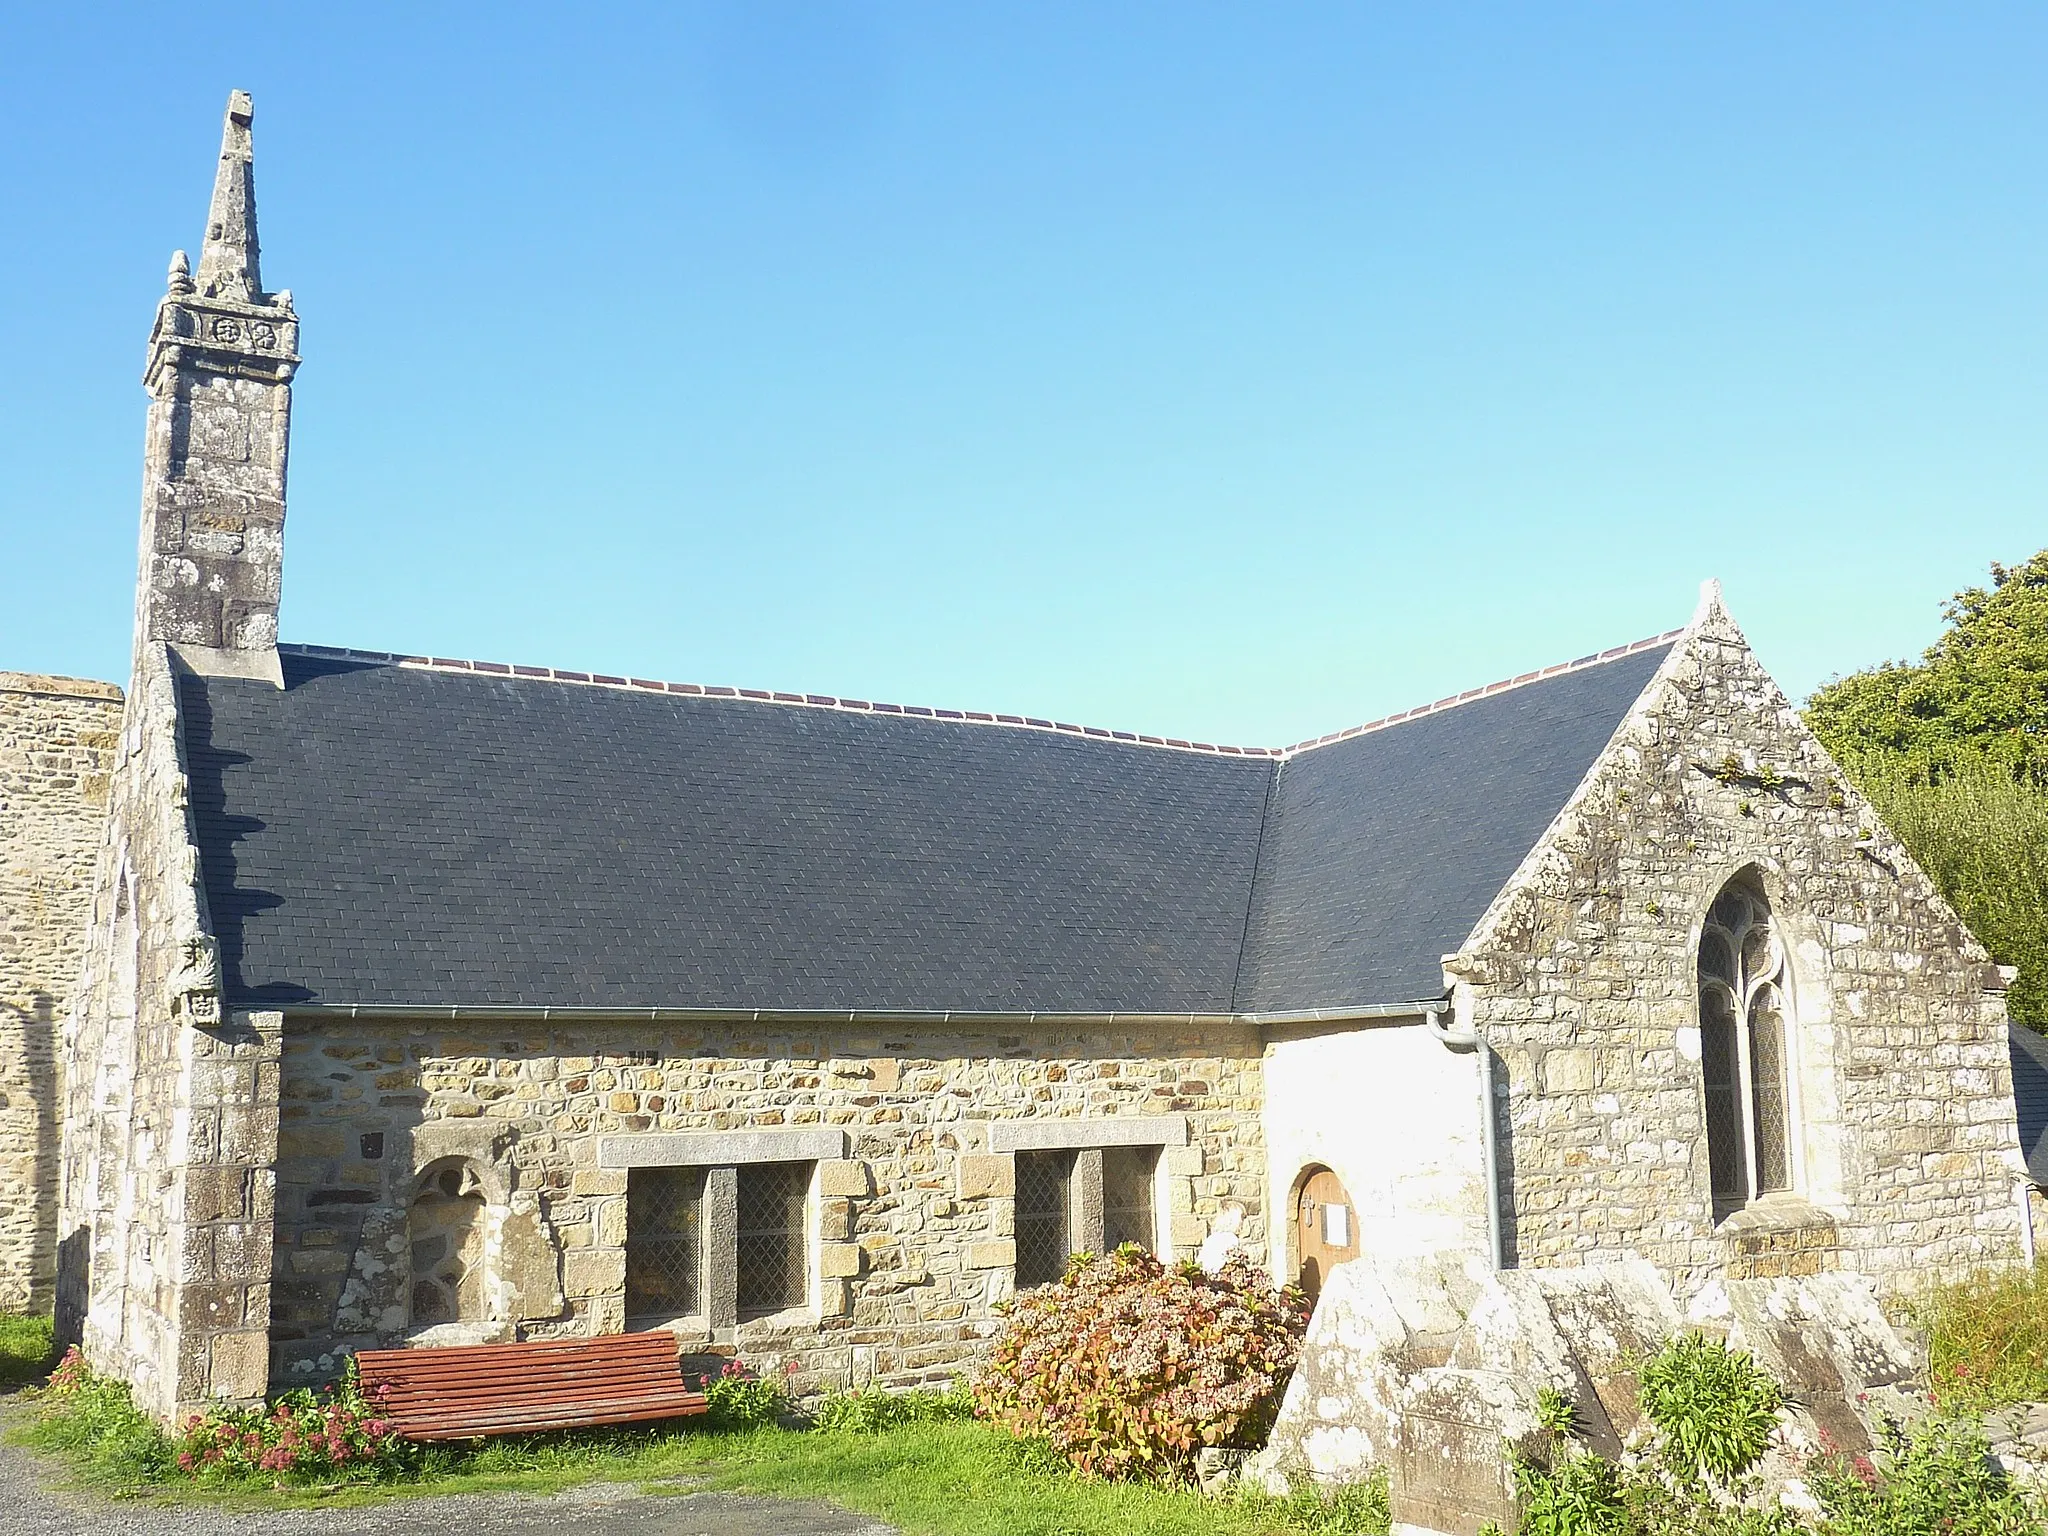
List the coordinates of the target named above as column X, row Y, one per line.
column 1467, row 1039
column 1491, row 1156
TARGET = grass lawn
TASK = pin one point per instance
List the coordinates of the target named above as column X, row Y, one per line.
column 1988, row 1338
column 933, row 1478
column 25, row 1349
column 960, row 1479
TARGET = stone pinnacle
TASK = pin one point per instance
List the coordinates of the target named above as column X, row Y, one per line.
column 228, row 262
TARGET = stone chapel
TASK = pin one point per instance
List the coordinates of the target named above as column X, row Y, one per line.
column 358, row 999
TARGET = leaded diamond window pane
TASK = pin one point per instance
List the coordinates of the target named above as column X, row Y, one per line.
column 1127, row 1197
column 664, row 1241
column 1767, row 1064
column 770, row 1239
column 1717, row 960
column 1043, row 1228
column 1720, row 1064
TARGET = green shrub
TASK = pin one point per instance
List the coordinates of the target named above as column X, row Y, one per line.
column 1988, row 1338
column 1982, row 837
column 1713, row 1406
column 93, row 1422
column 874, row 1410
column 1952, row 751
column 1128, row 1366
column 1937, row 1481
column 1978, row 694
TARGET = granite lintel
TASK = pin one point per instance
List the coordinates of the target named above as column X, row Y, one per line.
column 698, row 1149
column 1107, row 1131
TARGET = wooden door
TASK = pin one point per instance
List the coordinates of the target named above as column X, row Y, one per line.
column 1325, row 1229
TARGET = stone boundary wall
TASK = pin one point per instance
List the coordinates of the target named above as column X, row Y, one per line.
column 1582, row 980
column 57, row 742
column 913, row 1242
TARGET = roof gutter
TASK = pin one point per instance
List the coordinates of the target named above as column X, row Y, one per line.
column 1431, row 1011
column 544, row 1013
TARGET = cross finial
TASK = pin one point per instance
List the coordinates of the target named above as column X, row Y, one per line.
column 228, row 263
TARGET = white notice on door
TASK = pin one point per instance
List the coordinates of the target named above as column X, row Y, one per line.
column 1337, row 1225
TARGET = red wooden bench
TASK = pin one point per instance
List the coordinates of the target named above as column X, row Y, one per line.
column 467, row 1390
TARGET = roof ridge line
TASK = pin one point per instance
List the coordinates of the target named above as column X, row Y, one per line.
column 957, row 716
column 1485, row 691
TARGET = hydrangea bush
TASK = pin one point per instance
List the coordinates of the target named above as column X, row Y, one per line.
column 1128, row 1367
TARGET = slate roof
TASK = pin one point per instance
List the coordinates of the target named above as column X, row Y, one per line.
column 2030, row 1098
column 1383, row 852
column 378, row 833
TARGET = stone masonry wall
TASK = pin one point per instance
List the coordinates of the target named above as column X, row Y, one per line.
column 1581, row 978
column 57, row 740
column 169, row 1121
column 915, row 1234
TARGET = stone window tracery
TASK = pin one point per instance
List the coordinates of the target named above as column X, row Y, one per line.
column 1745, row 1048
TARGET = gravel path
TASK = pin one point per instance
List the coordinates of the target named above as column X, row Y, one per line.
column 30, row 1507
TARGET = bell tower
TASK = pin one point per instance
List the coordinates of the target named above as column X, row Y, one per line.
column 221, row 358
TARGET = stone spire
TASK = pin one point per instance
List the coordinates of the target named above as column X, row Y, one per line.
column 228, row 261
column 221, row 360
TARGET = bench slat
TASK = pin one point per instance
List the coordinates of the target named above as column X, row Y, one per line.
column 484, row 1375
column 556, row 1413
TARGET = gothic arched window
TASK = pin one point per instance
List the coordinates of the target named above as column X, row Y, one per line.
column 1744, row 1048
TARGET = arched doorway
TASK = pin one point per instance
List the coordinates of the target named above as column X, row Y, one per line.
column 1325, row 1228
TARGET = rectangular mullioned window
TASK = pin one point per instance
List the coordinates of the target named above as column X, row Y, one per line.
column 1082, row 1199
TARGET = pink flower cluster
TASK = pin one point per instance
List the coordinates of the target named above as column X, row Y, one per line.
column 71, row 1373
column 302, row 1435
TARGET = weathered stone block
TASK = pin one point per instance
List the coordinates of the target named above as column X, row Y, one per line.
column 1567, row 1071
column 982, row 1175
column 239, row 1364
column 840, row 1261
column 842, row 1177
column 996, row 1255
column 594, row 1272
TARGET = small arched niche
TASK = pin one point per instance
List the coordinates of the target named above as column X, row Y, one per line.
column 447, row 1227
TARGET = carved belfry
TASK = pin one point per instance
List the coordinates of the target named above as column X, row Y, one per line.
column 221, row 358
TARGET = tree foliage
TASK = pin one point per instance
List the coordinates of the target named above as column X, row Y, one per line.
column 1953, row 753
column 1979, row 694
column 1983, row 838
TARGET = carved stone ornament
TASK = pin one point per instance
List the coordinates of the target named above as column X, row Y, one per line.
column 196, row 986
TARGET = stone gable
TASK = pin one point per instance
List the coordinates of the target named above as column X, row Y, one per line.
column 1581, row 980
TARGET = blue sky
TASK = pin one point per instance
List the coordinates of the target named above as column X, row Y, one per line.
column 1209, row 370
